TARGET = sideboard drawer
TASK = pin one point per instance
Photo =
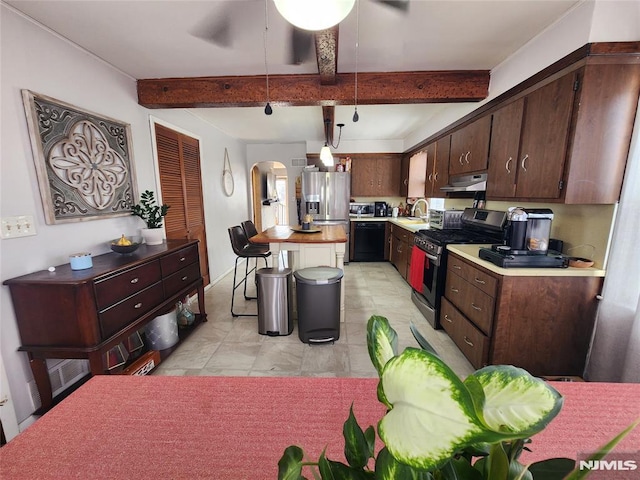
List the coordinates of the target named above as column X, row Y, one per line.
column 176, row 282
column 120, row 286
column 122, row 314
column 178, row 260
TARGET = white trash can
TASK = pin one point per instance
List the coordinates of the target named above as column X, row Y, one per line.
column 162, row 331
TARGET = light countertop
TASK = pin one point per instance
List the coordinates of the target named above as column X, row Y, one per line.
column 470, row 252
column 404, row 222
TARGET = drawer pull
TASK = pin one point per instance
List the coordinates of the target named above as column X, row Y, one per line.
column 475, row 307
column 182, row 259
column 468, row 342
column 134, row 280
column 184, row 278
column 481, row 282
column 455, row 290
column 446, row 317
column 138, row 305
column 456, row 267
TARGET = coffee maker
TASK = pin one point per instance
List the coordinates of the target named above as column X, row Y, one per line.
column 381, row 209
column 528, row 231
column 526, row 241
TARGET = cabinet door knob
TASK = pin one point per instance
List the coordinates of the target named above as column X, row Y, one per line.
column 406, row 181
column 475, row 307
column 456, row 267
column 184, row 278
column 481, row 282
column 467, row 341
column 507, row 165
column 134, row 280
column 466, row 157
column 455, row 290
column 138, row 305
column 523, row 164
column 446, row 317
column 182, row 259
column 460, row 159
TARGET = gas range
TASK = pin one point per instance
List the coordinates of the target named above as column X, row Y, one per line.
column 477, row 227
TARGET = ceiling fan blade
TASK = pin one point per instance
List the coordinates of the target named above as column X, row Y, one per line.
column 301, row 46
column 215, row 28
column 401, row 5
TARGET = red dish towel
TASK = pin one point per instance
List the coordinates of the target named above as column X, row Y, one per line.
column 419, row 262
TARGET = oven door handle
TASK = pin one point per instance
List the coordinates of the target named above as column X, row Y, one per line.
column 433, row 258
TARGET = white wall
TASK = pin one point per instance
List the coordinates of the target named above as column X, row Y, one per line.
column 589, row 21
column 35, row 59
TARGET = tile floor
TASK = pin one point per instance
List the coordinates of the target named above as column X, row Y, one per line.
column 232, row 346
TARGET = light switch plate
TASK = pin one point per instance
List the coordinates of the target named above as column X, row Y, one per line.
column 18, row 226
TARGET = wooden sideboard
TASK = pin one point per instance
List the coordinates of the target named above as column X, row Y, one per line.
column 82, row 314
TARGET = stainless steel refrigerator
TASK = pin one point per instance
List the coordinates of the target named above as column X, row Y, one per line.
column 325, row 196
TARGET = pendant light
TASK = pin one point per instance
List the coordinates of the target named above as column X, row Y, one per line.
column 267, row 109
column 314, row 14
column 325, row 152
column 356, row 117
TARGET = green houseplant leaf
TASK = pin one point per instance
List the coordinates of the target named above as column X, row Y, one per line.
column 290, row 465
column 432, row 413
column 516, row 403
column 436, row 416
column 358, row 449
column 382, row 341
column 149, row 210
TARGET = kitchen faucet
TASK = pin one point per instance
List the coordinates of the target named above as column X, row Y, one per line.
column 415, row 206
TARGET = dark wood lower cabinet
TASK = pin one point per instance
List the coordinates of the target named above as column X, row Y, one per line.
column 82, row 314
column 540, row 323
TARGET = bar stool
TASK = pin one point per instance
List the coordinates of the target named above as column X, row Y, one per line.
column 250, row 230
column 243, row 249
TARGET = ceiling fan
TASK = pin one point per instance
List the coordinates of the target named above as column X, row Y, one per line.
column 217, row 28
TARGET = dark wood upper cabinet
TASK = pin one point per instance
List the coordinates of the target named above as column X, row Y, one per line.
column 375, row 174
column 545, row 131
column 567, row 140
column 562, row 135
column 504, row 150
column 470, row 147
column 441, row 166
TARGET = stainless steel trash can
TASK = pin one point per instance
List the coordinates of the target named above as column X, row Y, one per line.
column 275, row 309
column 318, row 297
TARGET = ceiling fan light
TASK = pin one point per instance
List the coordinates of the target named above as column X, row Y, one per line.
column 314, row 14
column 326, row 157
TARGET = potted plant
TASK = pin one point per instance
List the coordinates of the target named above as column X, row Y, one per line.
column 474, row 429
column 152, row 214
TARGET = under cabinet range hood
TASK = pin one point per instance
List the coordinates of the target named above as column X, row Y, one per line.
column 466, row 183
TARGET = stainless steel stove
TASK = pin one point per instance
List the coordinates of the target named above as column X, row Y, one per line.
column 478, row 226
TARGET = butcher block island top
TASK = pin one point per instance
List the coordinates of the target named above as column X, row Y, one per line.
column 289, row 234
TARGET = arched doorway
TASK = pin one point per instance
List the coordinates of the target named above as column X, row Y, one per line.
column 270, row 194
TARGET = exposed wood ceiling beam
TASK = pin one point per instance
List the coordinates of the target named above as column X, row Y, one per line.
column 327, row 55
column 300, row 90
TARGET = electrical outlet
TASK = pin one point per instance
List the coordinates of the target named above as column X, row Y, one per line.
column 18, row 226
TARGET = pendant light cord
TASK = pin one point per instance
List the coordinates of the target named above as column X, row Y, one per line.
column 356, row 117
column 267, row 108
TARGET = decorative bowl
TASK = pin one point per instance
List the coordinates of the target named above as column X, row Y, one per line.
column 125, row 249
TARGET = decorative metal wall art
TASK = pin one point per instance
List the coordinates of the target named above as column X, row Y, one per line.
column 83, row 161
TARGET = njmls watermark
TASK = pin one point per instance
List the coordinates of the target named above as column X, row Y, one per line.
column 614, row 466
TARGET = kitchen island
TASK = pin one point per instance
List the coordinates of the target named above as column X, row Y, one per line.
column 324, row 246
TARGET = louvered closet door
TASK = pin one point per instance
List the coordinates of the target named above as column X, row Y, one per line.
column 181, row 184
